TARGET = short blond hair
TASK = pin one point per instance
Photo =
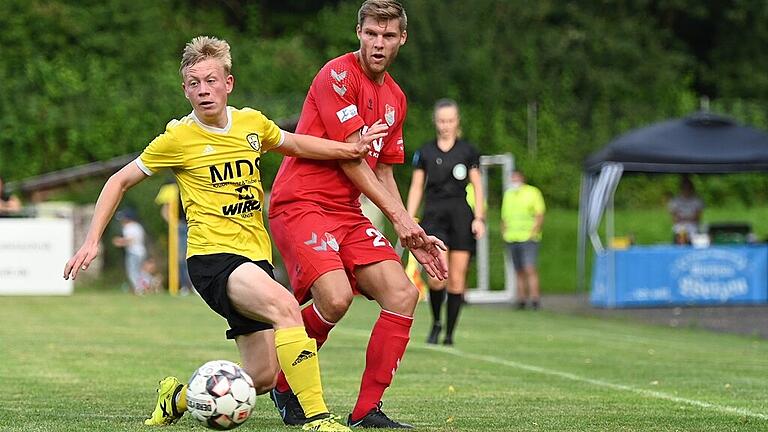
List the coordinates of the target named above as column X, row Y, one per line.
column 382, row 10
column 203, row 48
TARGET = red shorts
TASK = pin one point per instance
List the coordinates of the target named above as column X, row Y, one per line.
column 314, row 241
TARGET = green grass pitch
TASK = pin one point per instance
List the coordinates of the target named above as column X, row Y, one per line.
column 91, row 361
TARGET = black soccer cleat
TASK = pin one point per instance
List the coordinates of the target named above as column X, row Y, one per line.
column 289, row 407
column 434, row 333
column 376, row 419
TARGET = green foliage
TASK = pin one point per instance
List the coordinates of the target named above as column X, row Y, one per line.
column 86, row 81
column 592, row 71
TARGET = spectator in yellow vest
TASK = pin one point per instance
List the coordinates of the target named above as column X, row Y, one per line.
column 522, row 217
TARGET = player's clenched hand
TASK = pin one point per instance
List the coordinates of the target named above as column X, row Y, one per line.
column 377, row 130
column 431, row 257
column 80, row 261
column 410, row 233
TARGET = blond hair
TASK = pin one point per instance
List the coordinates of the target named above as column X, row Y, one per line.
column 203, row 48
column 382, row 10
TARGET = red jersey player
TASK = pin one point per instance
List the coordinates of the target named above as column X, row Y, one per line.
column 331, row 251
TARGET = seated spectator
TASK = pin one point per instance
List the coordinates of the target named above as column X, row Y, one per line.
column 150, row 281
column 9, row 204
column 685, row 209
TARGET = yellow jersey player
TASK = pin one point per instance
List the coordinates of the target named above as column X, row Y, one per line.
column 215, row 154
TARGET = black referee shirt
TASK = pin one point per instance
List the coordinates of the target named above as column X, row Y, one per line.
column 447, row 173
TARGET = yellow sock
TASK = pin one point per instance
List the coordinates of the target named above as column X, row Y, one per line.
column 181, row 400
column 297, row 354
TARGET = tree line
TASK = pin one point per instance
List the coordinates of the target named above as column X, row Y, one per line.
column 548, row 81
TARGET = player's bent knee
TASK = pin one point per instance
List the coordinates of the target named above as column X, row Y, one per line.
column 264, row 378
column 411, row 294
column 333, row 309
column 402, row 298
column 405, row 289
column 282, row 309
column 286, row 314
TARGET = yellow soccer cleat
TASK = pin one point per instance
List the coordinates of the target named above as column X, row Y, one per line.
column 165, row 412
column 325, row 424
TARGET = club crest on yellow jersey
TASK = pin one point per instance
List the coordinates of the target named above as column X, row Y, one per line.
column 253, row 140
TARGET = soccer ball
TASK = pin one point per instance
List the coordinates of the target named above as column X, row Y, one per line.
column 220, row 395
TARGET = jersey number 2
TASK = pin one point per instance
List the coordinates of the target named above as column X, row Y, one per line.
column 378, row 238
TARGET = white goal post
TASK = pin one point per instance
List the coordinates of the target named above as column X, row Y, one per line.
column 483, row 293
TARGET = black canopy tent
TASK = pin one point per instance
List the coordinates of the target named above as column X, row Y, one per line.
column 700, row 143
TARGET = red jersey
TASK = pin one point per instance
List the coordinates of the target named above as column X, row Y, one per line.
column 340, row 101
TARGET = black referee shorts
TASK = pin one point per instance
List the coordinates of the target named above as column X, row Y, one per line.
column 451, row 222
column 209, row 274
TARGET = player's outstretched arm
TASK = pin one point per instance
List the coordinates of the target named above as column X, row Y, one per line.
column 110, row 197
column 361, row 175
column 311, row 147
column 411, row 234
column 380, row 187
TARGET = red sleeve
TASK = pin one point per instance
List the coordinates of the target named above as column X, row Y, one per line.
column 393, row 151
column 335, row 91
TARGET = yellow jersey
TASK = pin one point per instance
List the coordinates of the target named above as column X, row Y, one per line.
column 217, row 170
column 519, row 209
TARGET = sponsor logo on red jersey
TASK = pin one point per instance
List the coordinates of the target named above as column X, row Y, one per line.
column 346, row 113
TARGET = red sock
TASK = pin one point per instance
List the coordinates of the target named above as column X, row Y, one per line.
column 317, row 329
column 389, row 337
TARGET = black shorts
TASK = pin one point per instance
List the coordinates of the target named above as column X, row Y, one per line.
column 451, row 222
column 209, row 274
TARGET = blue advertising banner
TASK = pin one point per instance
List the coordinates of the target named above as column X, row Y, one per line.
column 680, row 275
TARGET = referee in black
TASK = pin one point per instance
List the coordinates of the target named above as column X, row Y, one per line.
column 442, row 170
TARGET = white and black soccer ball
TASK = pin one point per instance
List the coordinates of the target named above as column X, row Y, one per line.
column 220, row 395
